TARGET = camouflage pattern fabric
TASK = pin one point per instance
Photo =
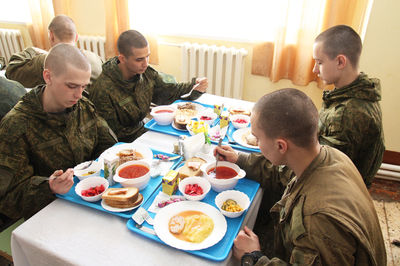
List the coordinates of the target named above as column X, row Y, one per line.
column 33, row 144
column 124, row 103
column 27, row 66
column 351, row 121
column 326, row 217
column 2, row 63
column 10, row 93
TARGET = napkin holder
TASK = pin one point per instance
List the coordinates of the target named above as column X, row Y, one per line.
column 193, row 145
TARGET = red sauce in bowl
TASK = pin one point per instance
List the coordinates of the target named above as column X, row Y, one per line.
column 222, row 172
column 133, row 171
column 163, row 111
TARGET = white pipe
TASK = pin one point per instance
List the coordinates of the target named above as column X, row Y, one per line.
column 388, row 173
column 390, row 167
column 171, row 44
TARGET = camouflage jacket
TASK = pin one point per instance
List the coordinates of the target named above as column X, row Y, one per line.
column 327, row 217
column 273, row 179
column 33, row 144
column 124, row 103
column 27, row 66
column 351, row 121
column 10, row 92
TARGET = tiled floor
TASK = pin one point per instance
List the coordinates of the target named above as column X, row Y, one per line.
column 386, row 196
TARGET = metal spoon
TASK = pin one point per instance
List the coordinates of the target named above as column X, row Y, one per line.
column 190, row 92
column 217, row 155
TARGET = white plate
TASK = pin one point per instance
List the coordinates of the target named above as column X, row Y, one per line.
column 199, row 107
column 165, row 214
column 238, row 137
column 173, row 125
column 113, row 209
column 144, row 150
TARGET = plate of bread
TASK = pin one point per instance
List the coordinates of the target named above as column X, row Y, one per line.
column 244, row 137
column 190, row 225
column 121, row 199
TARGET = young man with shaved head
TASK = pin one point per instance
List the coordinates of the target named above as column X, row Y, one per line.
column 350, row 117
column 26, row 66
column 52, row 129
column 326, row 215
column 128, row 85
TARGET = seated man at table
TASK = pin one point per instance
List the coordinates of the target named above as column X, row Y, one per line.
column 350, row 117
column 128, row 85
column 26, row 66
column 52, row 129
column 326, row 215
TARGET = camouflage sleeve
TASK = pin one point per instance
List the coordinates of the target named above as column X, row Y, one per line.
column 106, row 137
column 26, row 67
column 259, row 169
column 167, row 93
column 325, row 242
column 22, row 194
column 347, row 130
column 99, row 95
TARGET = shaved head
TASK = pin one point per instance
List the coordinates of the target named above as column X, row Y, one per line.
column 63, row 28
column 63, row 55
column 130, row 39
column 288, row 113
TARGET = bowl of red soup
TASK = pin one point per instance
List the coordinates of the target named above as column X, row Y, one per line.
column 224, row 177
column 133, row 174
column 163, row 114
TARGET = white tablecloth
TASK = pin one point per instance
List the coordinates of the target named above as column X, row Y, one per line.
column 64, row 233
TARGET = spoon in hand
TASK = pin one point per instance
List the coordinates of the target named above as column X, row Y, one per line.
column 190, row 92
column 217, row 155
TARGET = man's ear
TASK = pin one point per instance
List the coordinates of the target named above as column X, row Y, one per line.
column 282, row 145
column 341, row 61
column 47, row 76
column 121, row 58
column 76, row 38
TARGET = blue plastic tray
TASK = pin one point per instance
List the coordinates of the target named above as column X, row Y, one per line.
column 168, row 129
column 152, row 186
column 219, row 251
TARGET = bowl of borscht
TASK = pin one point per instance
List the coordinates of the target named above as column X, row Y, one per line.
column 224, row 177
column 133, row 174
column 163, row 114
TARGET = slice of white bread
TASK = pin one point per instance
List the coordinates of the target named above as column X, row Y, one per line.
column 191, row 168
column 180, row 121
column 122, row 197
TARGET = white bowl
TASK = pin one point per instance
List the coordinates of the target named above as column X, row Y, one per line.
column 241, row 199
column 163, row 118
column 200, row 181
column 219, row 185
column 90, row 182
column 240, row 125
column 139, row 182
column 92, row 170
column 207, row 113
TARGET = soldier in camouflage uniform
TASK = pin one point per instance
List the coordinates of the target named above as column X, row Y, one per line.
column 351, row 117
column 26, row 66
column 10, row 93
column 127, row 86
column 326, row 215
column 52, row 129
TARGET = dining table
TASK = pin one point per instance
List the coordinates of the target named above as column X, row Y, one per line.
column 65, row 233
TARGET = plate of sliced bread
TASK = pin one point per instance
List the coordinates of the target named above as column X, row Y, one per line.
column 121, row 199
